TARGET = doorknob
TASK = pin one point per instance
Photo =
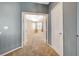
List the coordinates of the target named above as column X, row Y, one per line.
column 60, row 33
column 77, row 35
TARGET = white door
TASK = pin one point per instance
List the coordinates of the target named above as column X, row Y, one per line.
column 57, row 28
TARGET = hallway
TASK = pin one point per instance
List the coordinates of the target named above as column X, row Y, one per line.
column 35, row 46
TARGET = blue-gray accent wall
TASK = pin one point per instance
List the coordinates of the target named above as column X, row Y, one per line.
column 10, row 16
column 34, row 7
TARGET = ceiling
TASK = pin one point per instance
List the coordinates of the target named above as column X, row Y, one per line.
column 34, row 18
column 46, row 3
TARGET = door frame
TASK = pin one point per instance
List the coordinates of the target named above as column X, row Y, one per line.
column 22, row 14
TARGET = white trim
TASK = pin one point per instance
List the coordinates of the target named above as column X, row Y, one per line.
column 53, row 48
column 23, row 13
column 45, row 3
column 10, row 51
column 47, row 29
column 22, row 29
column 34, row 13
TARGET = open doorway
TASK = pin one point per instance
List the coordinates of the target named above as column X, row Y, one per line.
column 34, row 28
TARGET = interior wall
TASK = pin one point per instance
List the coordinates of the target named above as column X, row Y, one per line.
column 34, row 7
column 10, row 16
column 49, row 25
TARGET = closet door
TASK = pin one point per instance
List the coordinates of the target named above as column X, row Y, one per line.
column 69, row 28
column 78, row 28
column 57, row 28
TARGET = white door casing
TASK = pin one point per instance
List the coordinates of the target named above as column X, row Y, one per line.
column 24, row 28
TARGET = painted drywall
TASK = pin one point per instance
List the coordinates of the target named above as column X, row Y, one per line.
column 9, row 16
column 69, row 28
column 34, row 7
column 49, row 25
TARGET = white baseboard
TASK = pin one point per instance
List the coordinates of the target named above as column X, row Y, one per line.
column 10, row 51
column 53, row 48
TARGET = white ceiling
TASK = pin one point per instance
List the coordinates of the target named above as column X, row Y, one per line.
column 43, row 3
column 34, row 17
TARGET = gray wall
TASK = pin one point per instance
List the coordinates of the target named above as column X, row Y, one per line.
column 49, row 25
column 9, row 16
column 34, row 7
column 69, row 28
